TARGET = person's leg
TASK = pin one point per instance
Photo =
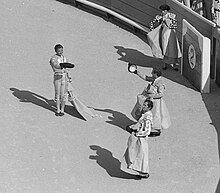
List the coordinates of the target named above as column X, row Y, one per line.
column 58, row 106
column 156, row 127
column 208, row 8
column 63, row 96
column 199, row 7
column 175, row 67
column 186, row 2
column 62, row 108
column 172, row 50
column 161, row 39
column 165, row 66
column 57, row 85
column 141, row 163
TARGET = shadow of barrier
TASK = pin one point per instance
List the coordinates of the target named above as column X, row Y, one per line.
column 139, row 13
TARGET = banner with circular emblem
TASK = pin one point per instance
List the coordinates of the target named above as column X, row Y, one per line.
column 196, row 58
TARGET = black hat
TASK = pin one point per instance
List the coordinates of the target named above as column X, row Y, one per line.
column 165, row 7
column 66, row 65
column 132, row 68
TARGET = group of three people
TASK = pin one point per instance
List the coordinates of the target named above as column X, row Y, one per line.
column 150, row 110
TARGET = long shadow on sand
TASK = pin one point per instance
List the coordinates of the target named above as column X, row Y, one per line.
column 36, row 99
column 212, row 104
column 117, row 118
column 130, row 55
column 105, row 159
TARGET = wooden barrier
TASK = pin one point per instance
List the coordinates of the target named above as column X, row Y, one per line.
column 142, row 12
column 139, row 13
column 107, row 8
column 216, row 54
column 196, row 58
column 203, row 25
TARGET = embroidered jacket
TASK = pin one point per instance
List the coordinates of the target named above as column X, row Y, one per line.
column 169, row 20
column 144, row 124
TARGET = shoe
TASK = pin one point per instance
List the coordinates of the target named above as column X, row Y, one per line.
column 128, row 129
column 57, row 114
column 176, row 69
column 61, row 114
column 155, row 133
column 144, row 176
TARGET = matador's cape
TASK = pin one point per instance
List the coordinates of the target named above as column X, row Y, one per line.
column 85, row 111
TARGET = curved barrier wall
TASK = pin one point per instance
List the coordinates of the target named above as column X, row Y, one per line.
column 203, row 25
column 140, row 13
column 216, row 54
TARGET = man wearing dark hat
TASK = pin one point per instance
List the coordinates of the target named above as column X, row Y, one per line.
column 164, row 7
column 163, row 40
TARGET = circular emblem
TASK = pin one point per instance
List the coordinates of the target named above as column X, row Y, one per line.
column 192, row 56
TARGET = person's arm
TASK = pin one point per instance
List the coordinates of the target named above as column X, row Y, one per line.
column 160, row 92
column 69, row 76
column 172, row 21
column 148, row 127
column 65, row 59
column 158, row 18
column 145, row 77
column 54, row 62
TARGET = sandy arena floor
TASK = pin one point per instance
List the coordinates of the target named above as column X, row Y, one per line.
column 42, row 153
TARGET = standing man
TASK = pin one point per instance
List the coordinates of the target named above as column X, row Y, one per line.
column 135, row 160
column 155, row 92
column 163, row 39
column 61, row 76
